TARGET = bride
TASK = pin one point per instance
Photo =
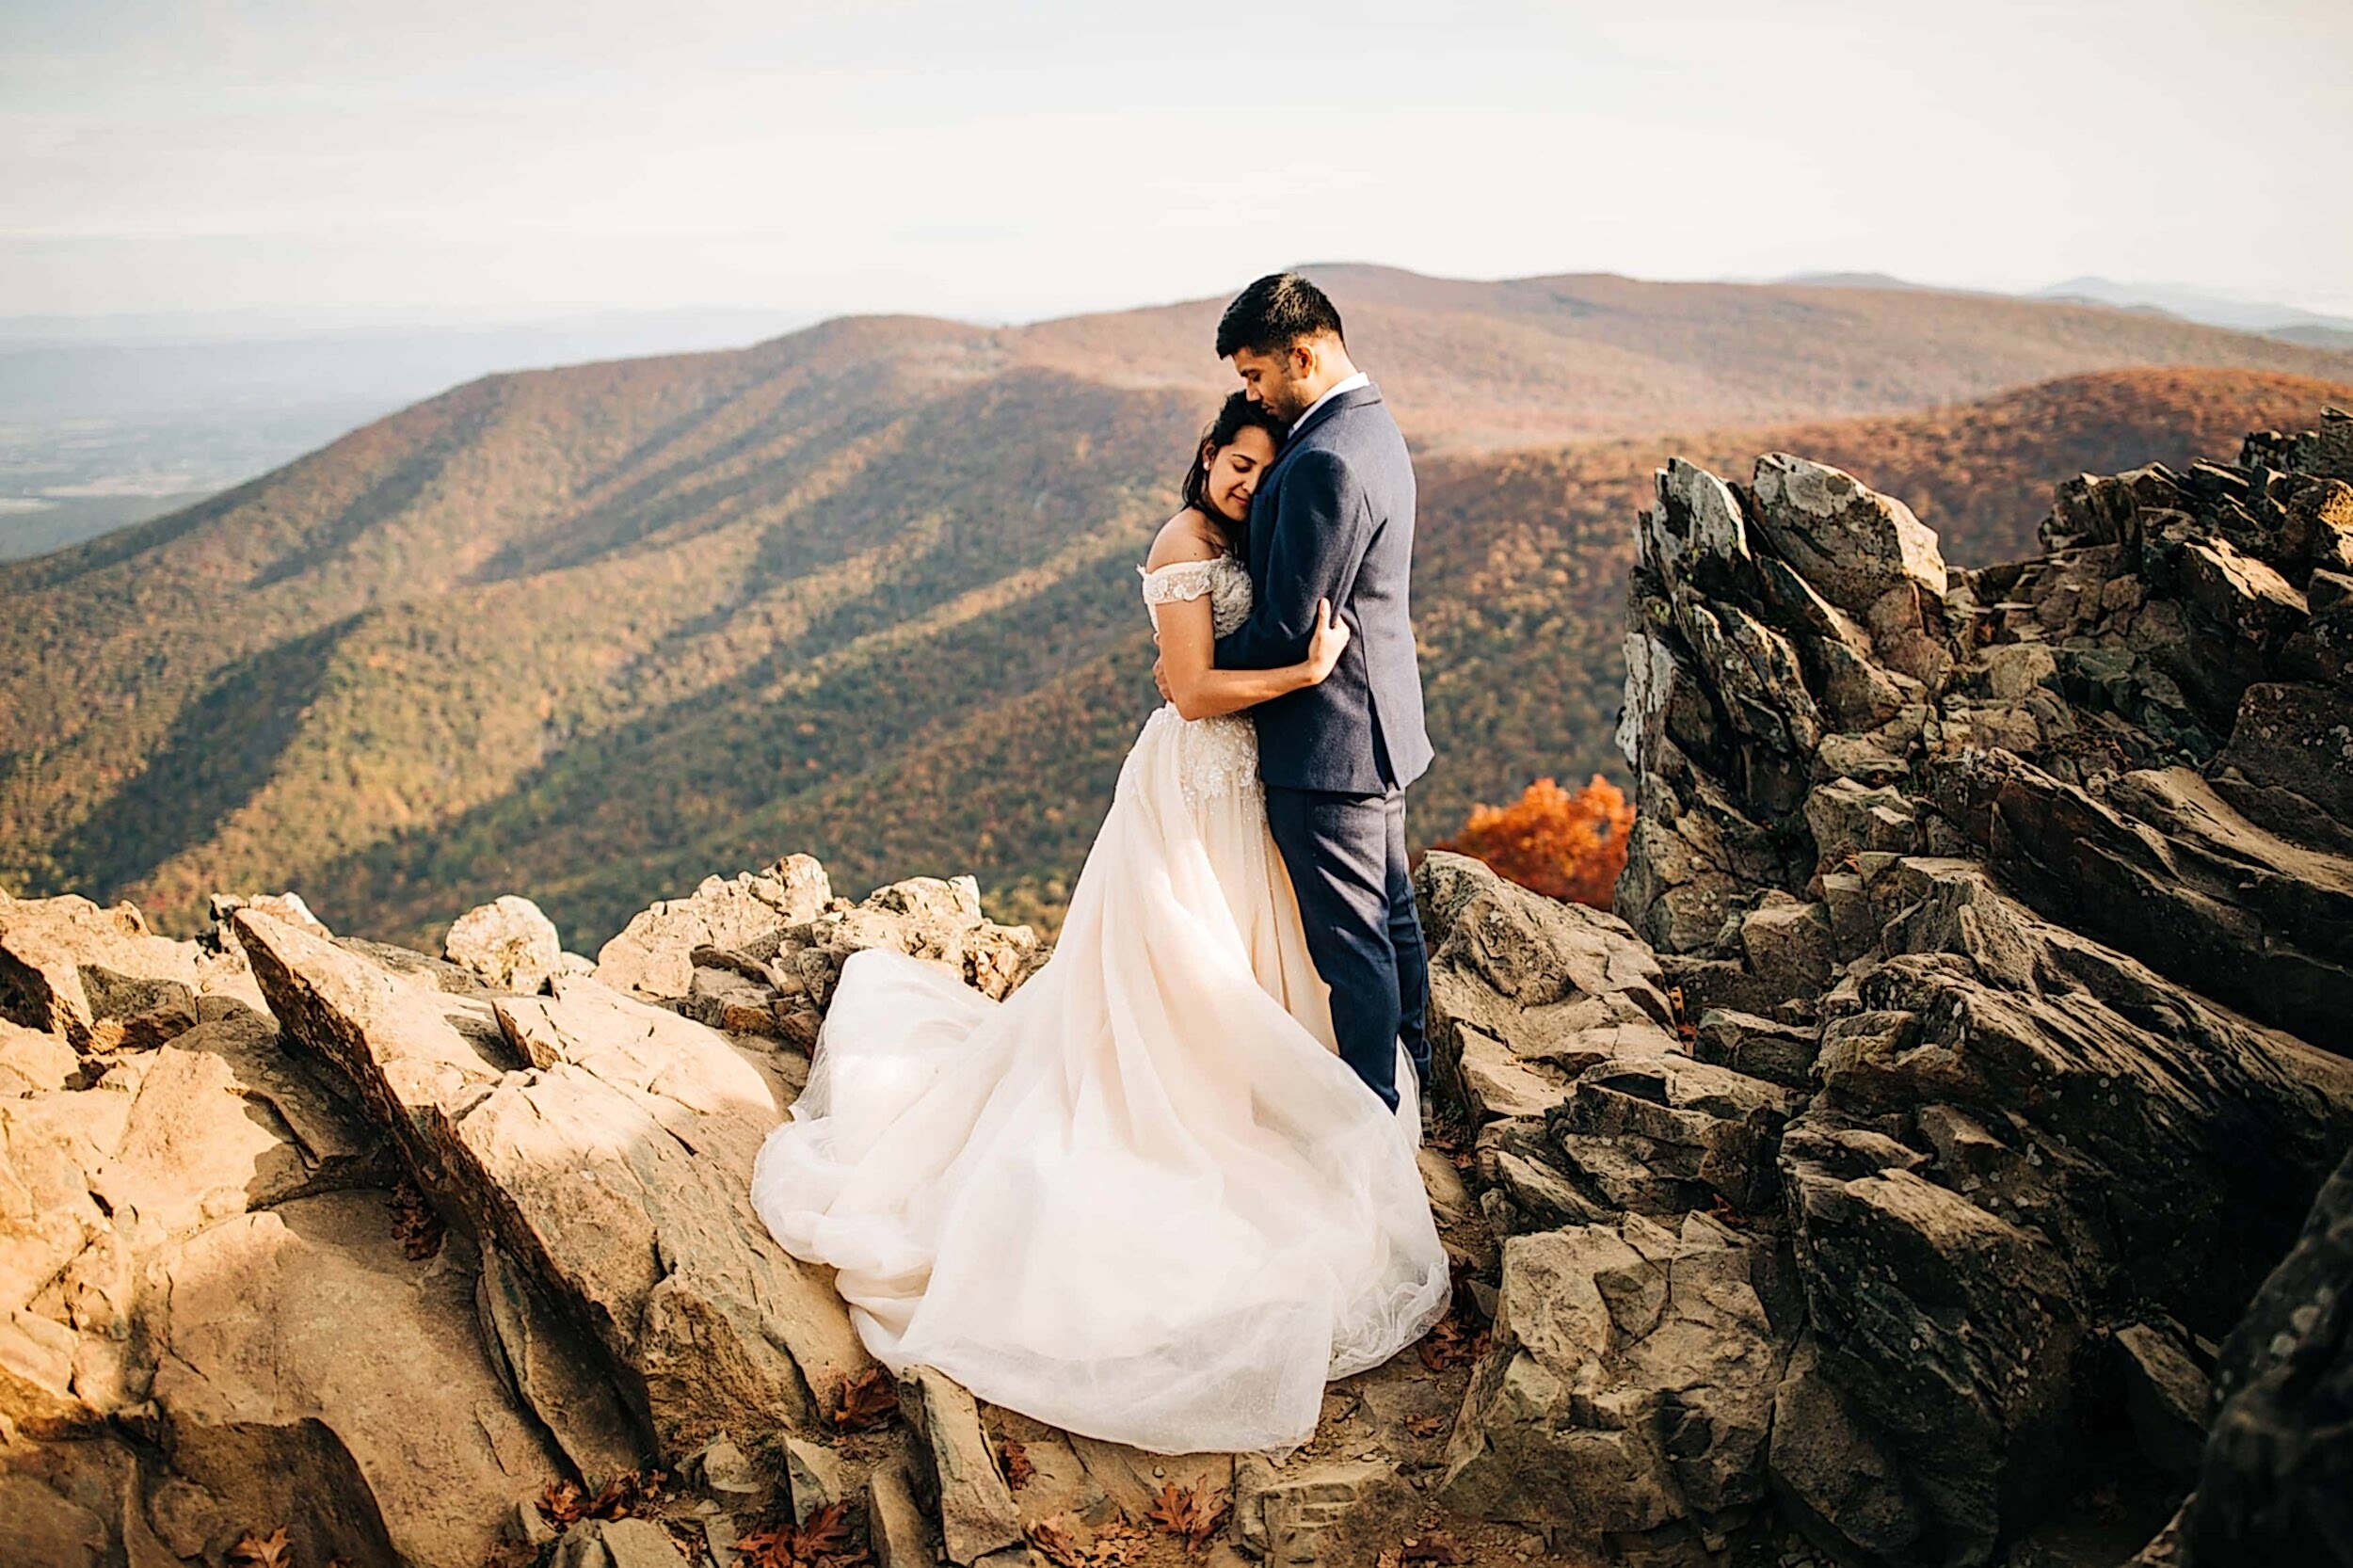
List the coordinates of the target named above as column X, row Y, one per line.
column 1142, row 1199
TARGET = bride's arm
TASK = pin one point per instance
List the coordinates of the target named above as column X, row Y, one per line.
column 1200, row 690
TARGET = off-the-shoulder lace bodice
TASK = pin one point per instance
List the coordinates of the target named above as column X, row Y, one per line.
column 1225, row 580
column 1215, row 756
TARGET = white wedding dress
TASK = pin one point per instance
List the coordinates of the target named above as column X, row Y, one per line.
column 1143, row 1198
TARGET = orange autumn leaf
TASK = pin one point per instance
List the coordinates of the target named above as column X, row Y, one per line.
column 866, row 1401
column 1054, row 1542
column 1017, row 1467
column 1192, row 1512
column 820, row 1541
column 263, row 1551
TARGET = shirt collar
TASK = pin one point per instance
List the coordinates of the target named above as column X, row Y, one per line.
column 1348, row 385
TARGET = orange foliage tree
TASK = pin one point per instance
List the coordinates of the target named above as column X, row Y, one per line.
column 1563, row 845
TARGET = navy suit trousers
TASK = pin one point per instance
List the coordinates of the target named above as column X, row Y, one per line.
column 1346, row 854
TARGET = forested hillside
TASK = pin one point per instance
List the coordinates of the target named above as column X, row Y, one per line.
column 867, row 590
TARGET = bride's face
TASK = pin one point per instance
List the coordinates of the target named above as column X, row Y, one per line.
column 1235, row 470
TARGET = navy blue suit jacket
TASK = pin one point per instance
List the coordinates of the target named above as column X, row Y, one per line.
column 1334, row 519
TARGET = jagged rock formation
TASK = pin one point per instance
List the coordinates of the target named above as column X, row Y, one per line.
column 211, row 1324
column 760, row 954
column 305, row 1231
column 2006, row 917
column 226, row 1167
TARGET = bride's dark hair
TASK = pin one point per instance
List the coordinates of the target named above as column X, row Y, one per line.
column 1235, row 415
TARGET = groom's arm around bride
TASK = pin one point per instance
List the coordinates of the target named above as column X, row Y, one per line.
column 1334, row 520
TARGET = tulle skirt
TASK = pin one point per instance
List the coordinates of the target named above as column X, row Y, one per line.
column 1143, row 1199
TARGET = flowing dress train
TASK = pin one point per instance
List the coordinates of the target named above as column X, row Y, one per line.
column 1143, row 1198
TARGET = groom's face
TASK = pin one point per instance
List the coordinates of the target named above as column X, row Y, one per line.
column 1272, row 380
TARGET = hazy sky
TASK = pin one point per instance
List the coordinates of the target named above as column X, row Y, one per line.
column 1009, row 161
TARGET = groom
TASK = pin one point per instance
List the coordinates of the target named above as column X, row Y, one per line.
column 1334, row 519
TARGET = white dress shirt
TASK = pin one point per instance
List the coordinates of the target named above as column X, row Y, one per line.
column 1351, row 384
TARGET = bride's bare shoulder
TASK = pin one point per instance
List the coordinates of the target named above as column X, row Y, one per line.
column 1186, row 536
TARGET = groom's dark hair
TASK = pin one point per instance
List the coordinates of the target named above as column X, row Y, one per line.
column 1275, row 312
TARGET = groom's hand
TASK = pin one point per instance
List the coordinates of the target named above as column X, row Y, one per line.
column 1160, row 678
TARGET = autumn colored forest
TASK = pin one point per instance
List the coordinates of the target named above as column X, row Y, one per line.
column 868, row 591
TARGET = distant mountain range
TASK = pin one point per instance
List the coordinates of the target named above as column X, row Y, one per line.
column 110, row 420
column 867, row 590
column 2215, row 310
column 2288, row 323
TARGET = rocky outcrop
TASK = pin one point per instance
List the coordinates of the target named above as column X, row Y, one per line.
column 213, row 1324
column 305, row 1232
column 599, row 1151
column 100, row 979
column 2005, row 917
column 760, row 954
column 1920, row 1141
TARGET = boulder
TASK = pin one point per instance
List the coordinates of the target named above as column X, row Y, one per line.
column 91, row 976
column 1628, row 1398
column 1849, row 543
column 1790, row 943
column 976, row 1510
column 198, row 1249
column 2166, row 1395
column 896, row 1529
column 1287, row 1518
column 1759, row 1047
column 1953, row 1336
column 2164, row 867
column 2296, row 740
column 616, row 1543
column 813, row 1475
column 1666, row 1134
column 361, row 1367
column 653, row 953
column 1526, row 991
column 508, row 942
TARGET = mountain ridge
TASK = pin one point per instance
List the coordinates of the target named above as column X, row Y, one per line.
column 604, row 613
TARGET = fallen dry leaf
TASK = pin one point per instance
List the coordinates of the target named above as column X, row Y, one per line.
column 1117, row 1545
column 1425, row 1426
column 820, row 1541
column 1444, row 1345
column 866, row 1401
column 613, row 1500
column 263, row 1551
column 415, row 1224
column 562, row 1503
column 1054, row 1542
column 764, row 1549
column 1016, row 1461
column 1192, row 1513
column 826, row 1530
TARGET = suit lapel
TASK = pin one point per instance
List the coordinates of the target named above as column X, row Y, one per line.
column 1356, row 398
column 1267, row 505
